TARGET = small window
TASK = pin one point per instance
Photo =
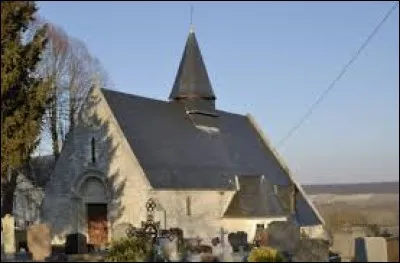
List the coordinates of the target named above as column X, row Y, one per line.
column 188, row 206
column 260, row 226
column 93, row 151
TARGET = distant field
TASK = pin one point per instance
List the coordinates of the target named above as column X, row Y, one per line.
column 377, row 203
column 346, row 189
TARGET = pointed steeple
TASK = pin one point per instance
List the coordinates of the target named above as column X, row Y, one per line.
column 192, row 80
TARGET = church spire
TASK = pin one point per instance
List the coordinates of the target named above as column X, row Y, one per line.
column 192, row 80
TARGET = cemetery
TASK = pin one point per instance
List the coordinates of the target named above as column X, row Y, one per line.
column 281, row 241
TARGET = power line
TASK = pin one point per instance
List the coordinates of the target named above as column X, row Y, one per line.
column 332, row 85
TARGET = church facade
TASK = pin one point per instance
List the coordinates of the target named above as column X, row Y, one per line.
column 206, row 168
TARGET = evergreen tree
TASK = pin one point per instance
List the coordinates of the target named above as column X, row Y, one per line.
column 23, row 95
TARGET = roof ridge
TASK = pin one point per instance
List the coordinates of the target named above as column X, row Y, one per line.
column 133, row 95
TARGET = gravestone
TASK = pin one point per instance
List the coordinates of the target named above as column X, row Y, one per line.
column 392, row 244
column 311, row 250
column 39, row 241
column 238, row 240
column 242, row 240
column 8, row 234
column 371, row 249
column 120, row 231
column 76, row 244
column 283, row 236
column 217, row 249
column 169, row 248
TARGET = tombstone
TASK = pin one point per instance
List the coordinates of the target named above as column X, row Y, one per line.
column 311, row 250
column 234, row 241
column 237, row 240
column 39, row 241
column 217, row 249
column 392, row 244
column 242, row 236
column 283, row 236
column 169, row 248
column 177, row 232
column 76, row 244
column 8, row 237
column 120, row 231
column 371, row 249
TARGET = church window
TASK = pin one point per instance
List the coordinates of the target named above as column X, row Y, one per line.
column 93, row 150
column 188, row 206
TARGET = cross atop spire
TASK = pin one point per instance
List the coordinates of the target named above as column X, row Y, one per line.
column 191, row 30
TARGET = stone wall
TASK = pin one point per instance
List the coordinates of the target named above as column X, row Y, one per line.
column 206, row 210
column 116, row 167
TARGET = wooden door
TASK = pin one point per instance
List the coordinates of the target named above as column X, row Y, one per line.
column 97, row 224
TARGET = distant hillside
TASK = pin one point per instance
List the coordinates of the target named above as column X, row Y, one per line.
column 362, row 188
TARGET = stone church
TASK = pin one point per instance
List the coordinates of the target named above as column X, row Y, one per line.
column 206, row 168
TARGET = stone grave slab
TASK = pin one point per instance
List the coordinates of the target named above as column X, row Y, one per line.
column 371, row 249
column 8, row 238
column 39, row 241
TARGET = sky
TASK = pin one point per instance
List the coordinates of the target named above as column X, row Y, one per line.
column 270, row 59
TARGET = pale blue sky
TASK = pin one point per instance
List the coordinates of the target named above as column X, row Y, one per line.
column 271, row 59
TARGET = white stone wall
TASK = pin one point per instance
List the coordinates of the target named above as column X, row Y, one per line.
column 64, row 203
column 206, row 210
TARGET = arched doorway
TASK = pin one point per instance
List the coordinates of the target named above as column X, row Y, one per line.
column 93, row 208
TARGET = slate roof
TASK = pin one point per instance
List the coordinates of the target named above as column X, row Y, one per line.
column 256, row 198
column 176, row 155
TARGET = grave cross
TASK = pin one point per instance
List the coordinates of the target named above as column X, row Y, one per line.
column 222, row 234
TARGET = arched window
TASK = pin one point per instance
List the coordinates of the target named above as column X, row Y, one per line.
column 93, row 150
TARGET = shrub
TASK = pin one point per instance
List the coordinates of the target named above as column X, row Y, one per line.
column 264, row 254
column 130, row 249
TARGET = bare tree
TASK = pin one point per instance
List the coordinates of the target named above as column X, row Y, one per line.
column 69, row 68
column 53, row 69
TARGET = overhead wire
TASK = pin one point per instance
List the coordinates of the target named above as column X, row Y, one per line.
column 339, row 76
